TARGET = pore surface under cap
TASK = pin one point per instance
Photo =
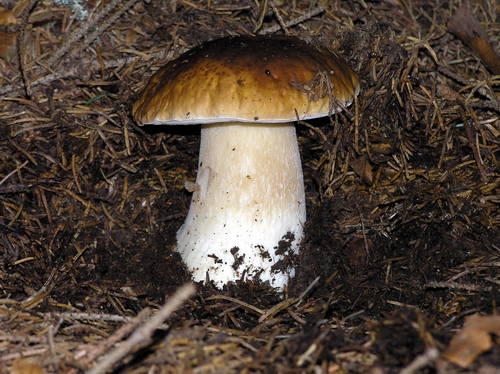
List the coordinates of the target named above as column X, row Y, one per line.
column 246, row 79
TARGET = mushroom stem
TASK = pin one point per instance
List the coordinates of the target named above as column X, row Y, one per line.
column 248, row 197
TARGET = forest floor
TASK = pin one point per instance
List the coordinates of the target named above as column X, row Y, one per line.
column 399, row 270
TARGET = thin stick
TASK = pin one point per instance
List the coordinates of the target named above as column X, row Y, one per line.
column 425, row 359
column 82, row 30
column 21, row 38
column 86, row 316
column 142, row 336
column 76, row 71
column 293, row 22
column 262, row 13
column 117, row 336
column 102, row 27
column 473, row 143
column 280, row 19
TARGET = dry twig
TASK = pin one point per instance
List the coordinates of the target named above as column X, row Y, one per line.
column 142, row 336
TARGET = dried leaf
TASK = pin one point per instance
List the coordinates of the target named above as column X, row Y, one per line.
column 472, row 340
column 131, row 36
column 468, row 29
column 358, row 250
column 447, row 93
column 363, row 169
column 23, row 366
column 382, row 148
column 7, row 43
column 7, row 17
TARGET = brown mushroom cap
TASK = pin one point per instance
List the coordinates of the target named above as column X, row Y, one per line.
column 247, row 79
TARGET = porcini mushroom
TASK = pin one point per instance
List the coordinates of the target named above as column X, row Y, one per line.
column 248, row 206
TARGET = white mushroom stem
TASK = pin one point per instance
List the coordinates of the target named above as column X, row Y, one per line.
column 248, row 196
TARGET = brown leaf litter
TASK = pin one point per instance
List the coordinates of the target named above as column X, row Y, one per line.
column 472, row 340
column 465, row 26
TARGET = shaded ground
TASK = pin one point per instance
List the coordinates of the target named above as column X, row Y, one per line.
column 403, row 190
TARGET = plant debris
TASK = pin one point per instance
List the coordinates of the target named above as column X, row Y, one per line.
column 464, row 25
column 473, row 339
column 402, row 239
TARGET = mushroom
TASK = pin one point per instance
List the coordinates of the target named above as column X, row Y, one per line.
column 248, row 206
